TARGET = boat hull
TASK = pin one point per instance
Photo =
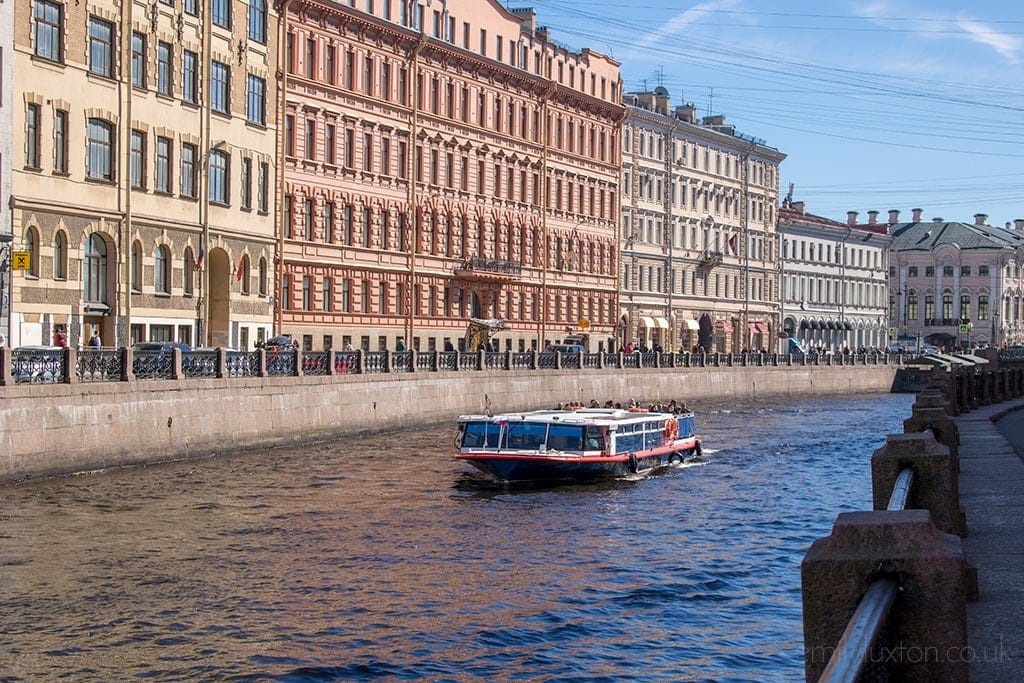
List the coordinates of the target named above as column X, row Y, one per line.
column 522, row 468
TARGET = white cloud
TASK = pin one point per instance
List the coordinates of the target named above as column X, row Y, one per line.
column 1007, row 45
column 679, row 23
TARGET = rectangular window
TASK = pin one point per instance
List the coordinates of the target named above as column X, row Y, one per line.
column 138, row 159
column 307, row 220
column 163, row 165
column 310, row 140
column 385, row 156
column 32, row 136
column 329, row 222
column 325, row 302
column 191, row 7
column 220, row 87
column 189, row 77
column 289, row 135
column 310, row 58
column 60, row 142
column 258, row 21
column 101, row 150
column 101, row 47
column 188, row 170
column 403, row 160
column 256, row 100
column 49, row 30
column 138, row 60
column 287, row 218
column 247, row 183
column 329, row 65
column 164, row 68
column 330, row 144
column 220, row 12
column 219, row 176
column 350, row 149
column 263, row 188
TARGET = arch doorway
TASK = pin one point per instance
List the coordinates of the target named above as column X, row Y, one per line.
column 220, row 299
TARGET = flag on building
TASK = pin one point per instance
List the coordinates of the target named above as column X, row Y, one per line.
column 240, row 270
column 732, row 244
column 199, row 261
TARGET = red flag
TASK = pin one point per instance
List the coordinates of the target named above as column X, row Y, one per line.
column 240, row 270
column 732, row 243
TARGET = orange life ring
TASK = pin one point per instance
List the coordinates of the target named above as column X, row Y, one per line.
column 671, row 429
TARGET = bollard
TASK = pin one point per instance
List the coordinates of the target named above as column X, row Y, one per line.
column 936, row 484
column 931, row 412
column 927, row 626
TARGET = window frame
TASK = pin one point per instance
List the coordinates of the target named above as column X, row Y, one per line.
column 48, row 31
column 101, row 47
column 101, row 150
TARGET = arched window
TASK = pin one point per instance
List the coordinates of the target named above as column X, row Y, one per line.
column 136, row 267
column 188, row 278
column 263, row 277
column 162, row 270
column 60, row 256
column 94, row 270
column 32, row 247
column 244, row 273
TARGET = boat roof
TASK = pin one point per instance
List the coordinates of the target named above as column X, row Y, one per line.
column 582, row 416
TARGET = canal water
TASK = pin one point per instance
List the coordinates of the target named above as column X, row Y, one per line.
column 381, row 558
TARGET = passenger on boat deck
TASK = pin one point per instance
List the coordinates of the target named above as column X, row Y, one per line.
column 560, row 407
column 632, row 403
column 609, row 404
column 618, row 406
column 593, row 403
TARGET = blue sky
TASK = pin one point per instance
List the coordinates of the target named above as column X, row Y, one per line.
column 890, row 104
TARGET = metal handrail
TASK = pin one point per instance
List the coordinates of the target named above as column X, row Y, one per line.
column 853, row 650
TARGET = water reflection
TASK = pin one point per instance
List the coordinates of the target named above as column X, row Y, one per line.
column 381, row 557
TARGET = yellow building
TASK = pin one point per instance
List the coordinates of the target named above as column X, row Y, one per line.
column 144, row 191
column 444, row 161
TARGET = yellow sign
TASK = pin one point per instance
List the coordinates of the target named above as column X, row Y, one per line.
column 21, row 260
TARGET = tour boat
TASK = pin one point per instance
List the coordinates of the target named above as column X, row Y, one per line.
column 575, row 445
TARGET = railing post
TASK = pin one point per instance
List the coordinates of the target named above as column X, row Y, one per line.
column 69, row 361
column 412, row 360
column 176, row 372
column 6, row 378
column 298, row 362
column 127, row 364
column 222, row 362
column 330, row 361
column 928, row 624
column 261, row 371
column 936, row 484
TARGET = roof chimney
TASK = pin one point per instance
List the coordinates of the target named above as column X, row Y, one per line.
column 798, row 207
column 872, row 218
column 937, row 219
column 1018, row 223
column 851, row 218
column 894, row 216
column 916, row 213
column 980, row 218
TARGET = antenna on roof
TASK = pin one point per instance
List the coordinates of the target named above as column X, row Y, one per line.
column 661, row 75
column 711, row 100
column 789, row 196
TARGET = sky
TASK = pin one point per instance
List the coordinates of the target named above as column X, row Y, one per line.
column 878, row 105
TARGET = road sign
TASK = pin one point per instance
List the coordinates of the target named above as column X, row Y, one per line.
column 21, row 260
column 965, row 329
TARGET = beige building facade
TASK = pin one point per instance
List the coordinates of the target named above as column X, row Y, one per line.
column 699, row 264
column 144, row 178
column 441, row 162
column 6, row 148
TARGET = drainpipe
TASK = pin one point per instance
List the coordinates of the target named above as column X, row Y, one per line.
column 125, row 233
column 671, row 234
column 414, row 214
column 549, row 93
column 282, row 105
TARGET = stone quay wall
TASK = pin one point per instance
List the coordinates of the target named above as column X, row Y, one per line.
column 52, row 429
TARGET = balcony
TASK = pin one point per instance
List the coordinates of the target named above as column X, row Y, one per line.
column 710, row 259
column 492, row 270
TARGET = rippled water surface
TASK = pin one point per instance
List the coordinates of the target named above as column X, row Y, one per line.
column 383, row 558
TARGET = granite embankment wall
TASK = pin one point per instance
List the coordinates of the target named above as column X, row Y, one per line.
column 48, row 429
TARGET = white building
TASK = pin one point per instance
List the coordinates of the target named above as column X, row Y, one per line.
column 698, row 246
column 834, row 287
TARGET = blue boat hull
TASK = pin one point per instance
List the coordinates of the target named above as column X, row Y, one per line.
column 529, row 468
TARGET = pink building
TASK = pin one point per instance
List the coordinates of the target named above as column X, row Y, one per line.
column 443, row 162
column 956, row 284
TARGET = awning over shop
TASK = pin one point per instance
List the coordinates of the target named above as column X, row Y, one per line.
column 691, row 324
column 661, row 323
column 647, row 321
column 758, row 328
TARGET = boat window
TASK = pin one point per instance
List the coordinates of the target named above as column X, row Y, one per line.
column 595, row 441
column 565, row 438
column 525, row 435
column 481, row 435
column 686, row 426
